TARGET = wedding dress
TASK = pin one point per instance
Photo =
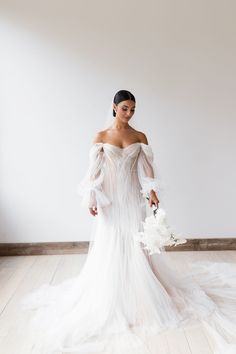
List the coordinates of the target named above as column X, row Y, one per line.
column 123, row 299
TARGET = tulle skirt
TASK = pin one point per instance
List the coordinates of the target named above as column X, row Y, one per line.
column 125, row 301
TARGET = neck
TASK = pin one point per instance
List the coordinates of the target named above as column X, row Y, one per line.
column 118, row 125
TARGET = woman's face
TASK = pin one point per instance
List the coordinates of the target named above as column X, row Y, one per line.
column 125, row 110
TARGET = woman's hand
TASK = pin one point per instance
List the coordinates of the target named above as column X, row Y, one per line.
column 93, row 211
column 153, row 199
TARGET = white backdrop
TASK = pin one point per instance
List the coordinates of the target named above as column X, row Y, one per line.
column 61, row 64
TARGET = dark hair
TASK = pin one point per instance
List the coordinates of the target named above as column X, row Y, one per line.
column 122, row 95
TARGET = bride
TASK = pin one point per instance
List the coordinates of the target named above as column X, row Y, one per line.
column 122, row 301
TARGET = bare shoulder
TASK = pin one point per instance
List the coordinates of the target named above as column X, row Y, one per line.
column 142, row 137
column 99, row 137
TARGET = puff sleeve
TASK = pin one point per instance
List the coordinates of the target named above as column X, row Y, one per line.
column 146, row 171
column 90, row 188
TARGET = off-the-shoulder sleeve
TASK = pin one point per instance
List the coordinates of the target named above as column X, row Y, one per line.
column 147, row 171
column 90, row 188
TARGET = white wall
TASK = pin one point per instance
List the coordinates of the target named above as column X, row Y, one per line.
column 62, row 62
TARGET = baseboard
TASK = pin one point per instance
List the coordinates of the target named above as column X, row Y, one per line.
column 206, row 244
column 40, row 248
column 46, row 248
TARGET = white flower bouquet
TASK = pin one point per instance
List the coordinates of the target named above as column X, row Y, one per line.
column 157, row 233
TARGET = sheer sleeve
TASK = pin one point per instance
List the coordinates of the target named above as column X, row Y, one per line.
column 147, row 171
column 90, row 188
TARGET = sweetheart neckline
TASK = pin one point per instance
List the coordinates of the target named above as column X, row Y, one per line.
column 118, row 147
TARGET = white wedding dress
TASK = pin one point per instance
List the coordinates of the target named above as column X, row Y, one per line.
column 123, row 300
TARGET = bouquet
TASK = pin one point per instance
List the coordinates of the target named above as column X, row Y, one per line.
column 157, row 233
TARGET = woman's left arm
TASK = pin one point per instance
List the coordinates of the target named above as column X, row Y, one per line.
column 146, row 172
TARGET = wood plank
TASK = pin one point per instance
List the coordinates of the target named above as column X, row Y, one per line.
column 12, row 319
column 177, row 342
column 13, row 277
column 69, row 266
column 157, row 344
column 197, row 340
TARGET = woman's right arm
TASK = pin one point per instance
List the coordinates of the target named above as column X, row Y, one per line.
column 93, row 208
column 91, row 185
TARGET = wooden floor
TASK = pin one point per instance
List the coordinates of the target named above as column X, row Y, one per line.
column 21, row 274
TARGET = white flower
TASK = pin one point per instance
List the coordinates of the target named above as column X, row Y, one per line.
column 157, row 233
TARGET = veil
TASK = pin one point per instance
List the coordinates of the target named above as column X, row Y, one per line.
column 109, row 118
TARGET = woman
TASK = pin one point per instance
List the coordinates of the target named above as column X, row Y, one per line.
column 121, row 134
column 121, row 302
